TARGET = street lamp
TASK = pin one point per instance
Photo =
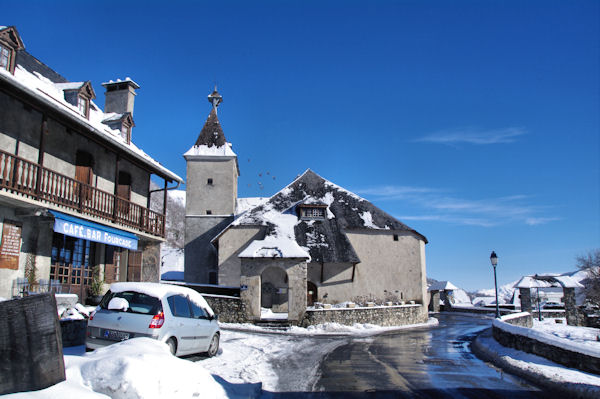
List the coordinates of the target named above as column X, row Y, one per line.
column 494, row 260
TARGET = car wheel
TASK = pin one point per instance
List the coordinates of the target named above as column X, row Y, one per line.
column 172, row 345
column 214, row 346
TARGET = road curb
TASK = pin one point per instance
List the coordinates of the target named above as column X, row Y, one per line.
column 568, row 389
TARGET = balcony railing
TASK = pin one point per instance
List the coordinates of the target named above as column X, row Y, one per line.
column 34, row 181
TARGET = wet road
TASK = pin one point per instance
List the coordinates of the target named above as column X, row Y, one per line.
column 425, row 363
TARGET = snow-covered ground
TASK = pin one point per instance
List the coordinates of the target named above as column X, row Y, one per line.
column 144, row 368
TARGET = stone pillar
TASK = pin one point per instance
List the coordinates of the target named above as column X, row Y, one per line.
column 525, row 295
column 150, row 261
column 570, row 306
column 434, row 304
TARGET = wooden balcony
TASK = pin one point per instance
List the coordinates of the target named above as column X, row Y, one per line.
column 33, row 181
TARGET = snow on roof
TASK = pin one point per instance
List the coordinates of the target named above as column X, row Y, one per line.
column 245, row 204
column 41, row 87
column 112, row 116
column 546, row 281
column 159, row 291
column 204, row 150
column 325, row 239
column 442, row 286
column 274, row 247
column 69, row 85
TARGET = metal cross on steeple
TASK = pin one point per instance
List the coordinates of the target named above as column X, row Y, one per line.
column 215, row 98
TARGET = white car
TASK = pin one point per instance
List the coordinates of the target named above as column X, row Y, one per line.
column 178, row 316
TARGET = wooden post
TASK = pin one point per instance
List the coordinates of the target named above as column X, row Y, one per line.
column 41, row 150
column 30, row 344
column 116, row 199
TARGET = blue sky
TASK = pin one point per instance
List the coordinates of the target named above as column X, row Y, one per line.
column 477, row 123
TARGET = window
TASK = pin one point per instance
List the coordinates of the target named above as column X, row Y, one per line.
column 395, row 237
column 197, row 311
column 209, row 212
column 313, row 212
column 82, row 105
column 126, row 133
column 5, row 54
column 179, row 305
column 209, row 181
column 138, row 302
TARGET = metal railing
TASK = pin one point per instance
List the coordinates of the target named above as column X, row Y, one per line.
column 34, row 181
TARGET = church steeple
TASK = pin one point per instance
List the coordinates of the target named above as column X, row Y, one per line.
column 212, row 133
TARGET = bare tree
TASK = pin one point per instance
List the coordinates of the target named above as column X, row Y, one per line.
column 590, row 263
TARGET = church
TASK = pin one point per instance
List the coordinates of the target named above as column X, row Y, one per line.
column 313, row 241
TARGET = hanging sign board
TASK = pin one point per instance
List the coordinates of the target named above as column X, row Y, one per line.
column 10, row 247
column 79, row 228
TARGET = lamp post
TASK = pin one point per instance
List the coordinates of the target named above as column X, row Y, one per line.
column 494, row 260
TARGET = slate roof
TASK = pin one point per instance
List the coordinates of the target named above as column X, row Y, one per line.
column 211, row 133
column 324, row 239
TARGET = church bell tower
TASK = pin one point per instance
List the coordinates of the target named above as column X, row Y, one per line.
column 211, row 196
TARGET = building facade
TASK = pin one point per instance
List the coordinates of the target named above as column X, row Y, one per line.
column 311, row 242
column 74, row 189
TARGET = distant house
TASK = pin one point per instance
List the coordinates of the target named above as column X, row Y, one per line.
column 74, row 188
column 312, row 241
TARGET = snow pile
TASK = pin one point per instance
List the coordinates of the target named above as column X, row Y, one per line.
column 144, row 368
column 77, row 312
column 584, row 337
column 547, row 335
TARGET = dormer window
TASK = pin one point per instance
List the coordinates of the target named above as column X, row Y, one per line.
column 10, row 43
column 79, row 95
column 122, row 123
column 312, row 211
column 5, row 57
column 82, row 105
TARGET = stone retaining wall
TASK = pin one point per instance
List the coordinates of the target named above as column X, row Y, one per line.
column 229, row 309
column 516, row 337
column 383, row 316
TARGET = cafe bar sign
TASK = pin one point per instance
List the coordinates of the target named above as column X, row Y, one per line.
column 79, row 228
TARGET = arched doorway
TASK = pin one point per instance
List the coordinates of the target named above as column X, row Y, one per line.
column 311, row 293
column 274, row 291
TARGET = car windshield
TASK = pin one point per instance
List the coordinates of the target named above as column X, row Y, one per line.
column 138, row 302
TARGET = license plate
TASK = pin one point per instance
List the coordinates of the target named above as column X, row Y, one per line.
column 115, row 335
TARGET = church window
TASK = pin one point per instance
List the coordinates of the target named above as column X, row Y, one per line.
column 312, row 212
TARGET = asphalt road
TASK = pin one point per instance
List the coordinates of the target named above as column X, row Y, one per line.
column 424, row 363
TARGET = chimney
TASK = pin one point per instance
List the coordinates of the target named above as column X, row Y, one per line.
column 119, row 96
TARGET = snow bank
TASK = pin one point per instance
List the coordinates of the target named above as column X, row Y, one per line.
column 562, row 340
column 544, row 371
column 328, row 328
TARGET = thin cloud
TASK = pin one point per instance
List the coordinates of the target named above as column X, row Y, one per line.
column 432, row 204
column 537, row 221
column 475, row 136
